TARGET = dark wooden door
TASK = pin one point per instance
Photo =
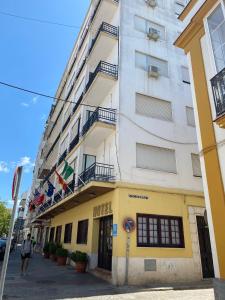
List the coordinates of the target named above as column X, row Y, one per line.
column 105, row 243
column 205, row 248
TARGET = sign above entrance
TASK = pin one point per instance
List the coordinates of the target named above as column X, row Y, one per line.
column 129, row 225
column 102, row 210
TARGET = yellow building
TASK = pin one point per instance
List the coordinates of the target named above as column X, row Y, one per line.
column 203, row 40
column 126, row 127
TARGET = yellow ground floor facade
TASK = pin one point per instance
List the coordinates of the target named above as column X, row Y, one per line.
column 164, row 246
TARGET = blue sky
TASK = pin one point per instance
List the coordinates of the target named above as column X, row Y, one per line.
column 33, row 56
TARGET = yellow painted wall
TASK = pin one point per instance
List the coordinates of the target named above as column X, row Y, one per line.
column 160, row 203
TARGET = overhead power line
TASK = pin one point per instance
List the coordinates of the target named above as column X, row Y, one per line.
column 39, row 20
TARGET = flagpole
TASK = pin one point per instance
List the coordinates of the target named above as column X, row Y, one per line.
column 9, row 239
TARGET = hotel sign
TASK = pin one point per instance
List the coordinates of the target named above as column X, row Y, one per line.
column 102, row 210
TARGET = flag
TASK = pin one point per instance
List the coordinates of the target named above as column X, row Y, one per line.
column 38, row 198
column 50, row 190
column 31, row 206
column 67, row 171
column 61, row 181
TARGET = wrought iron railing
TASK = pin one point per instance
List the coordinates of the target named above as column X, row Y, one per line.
column 103, row 67
column 100, row 114
column 105, row 27
column 57, row 197
column 97, row 172
column 62, row 157
column 74, row 142
column 218, row 87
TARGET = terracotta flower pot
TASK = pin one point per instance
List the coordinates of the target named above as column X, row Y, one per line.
column 53, row 257
column 81, row 267
column 46, row 255
column 61, row 260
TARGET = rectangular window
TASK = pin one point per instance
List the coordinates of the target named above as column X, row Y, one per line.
column 82, row 232
column 68, row 233
column 185, row 75
column 58, row 234
column 190, row 116
column 75, row 129
column 144, row 61
column 88, row 160
column 64, row 145
column 179, row 7
column 159, row 231
column 156, row 158
column 52, row 234
column 143, row 25
column 216, row 24
column 196, row 165
column 153, row 107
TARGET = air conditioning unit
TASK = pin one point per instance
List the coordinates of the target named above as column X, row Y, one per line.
column 153, row 34
column 151, row 3
column 153, row 71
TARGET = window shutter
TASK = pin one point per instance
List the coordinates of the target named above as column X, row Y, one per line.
column 153, row 107
column 156, row 158
column 196, row 165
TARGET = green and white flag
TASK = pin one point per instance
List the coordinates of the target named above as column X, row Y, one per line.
column 67, row 171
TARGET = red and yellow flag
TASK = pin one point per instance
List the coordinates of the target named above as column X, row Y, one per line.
column 61, row 181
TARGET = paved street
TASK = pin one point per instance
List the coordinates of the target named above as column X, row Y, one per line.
column 46, row 280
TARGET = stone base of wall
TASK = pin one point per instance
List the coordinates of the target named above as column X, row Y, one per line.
column 219, row 289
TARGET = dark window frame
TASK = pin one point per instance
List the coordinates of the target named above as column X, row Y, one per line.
column 68, row 233
column 52, row 234
column 159, row 244
column 82, row 232
column 58, row 234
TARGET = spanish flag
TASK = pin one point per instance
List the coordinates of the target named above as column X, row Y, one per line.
column 61, row 181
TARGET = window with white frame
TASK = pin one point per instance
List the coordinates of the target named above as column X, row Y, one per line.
column 144, row 25
column 64, row 145
column 66, row 114
column 144, row 61
column 190, row 116
column 155, row 158
column 180, row 6
column 185, row 75
column 216, row 25
column 153, row 107
column 75, row 129
column 196, row 167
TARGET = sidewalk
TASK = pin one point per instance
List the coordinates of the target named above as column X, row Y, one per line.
column 46, row 280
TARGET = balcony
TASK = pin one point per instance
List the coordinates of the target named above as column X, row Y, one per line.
column 218, row 88
column 105, row 9
column 97, row 180
column 100, row 83
column 103, row 43
column 99, row 126
column 96, row 172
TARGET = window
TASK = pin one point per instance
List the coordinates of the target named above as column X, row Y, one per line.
column 185, row 75
column 159, row 231
column 75, row 129
column 143, row 25
column 144, row 61
column 88, row 160
column 216, row 24
column 82, row 232
column 190, row 116
column 52, row 233
column 64, row 145
column 58, row 234
column 156, row 158
column 153, row 107
column 179, row 7
column 196, row 165
column 67, row 113
column 68, row 233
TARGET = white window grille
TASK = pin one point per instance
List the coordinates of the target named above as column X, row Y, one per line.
column 196, row 165
column 153, row 107
column 156, row 158
column 190, row 116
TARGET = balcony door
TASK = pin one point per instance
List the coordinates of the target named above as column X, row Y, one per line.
column 105, row 243
column 216, row 25
column 88, row 160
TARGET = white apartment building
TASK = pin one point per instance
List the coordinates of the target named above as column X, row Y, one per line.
column 127, row 128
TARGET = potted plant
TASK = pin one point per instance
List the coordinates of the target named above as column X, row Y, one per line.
column 52, row 251
column 46, row 250
column 62, row 255
column 81, row 259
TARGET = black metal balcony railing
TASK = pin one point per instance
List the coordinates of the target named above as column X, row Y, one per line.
column 101, row 114
column 62, row 157
column 70, row 188
column 103, row 67
column 66, row 123
column 218, row 87
column 105, row 27
column 97, row 172
column 74, row 142
column 57, row 197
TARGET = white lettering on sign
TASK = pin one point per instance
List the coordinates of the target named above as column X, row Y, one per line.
column 138, row 196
